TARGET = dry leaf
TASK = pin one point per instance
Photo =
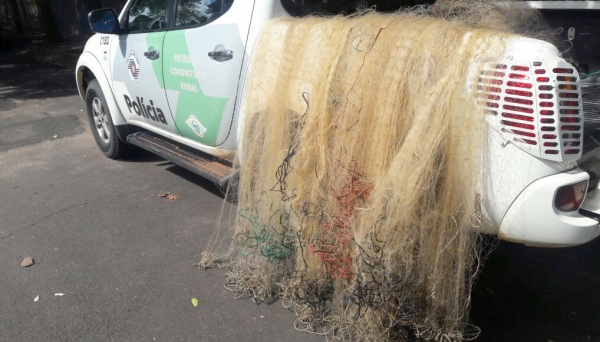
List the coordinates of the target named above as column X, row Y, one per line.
column 27, row 261
column 36, row 299
column 195, row 302
column 170, row 197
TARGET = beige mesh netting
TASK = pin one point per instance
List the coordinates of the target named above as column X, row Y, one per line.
column 357, row 193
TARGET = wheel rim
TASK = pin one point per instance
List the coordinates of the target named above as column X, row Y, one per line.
column 101, row 120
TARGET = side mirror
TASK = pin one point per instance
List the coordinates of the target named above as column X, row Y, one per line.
column 103, row 21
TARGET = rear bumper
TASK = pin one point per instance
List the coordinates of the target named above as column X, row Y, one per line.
column 533, row 220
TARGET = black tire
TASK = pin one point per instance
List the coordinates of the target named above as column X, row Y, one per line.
column 101, row 123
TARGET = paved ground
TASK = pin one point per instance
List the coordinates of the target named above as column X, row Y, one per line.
column 536, row 294
column 124, row 257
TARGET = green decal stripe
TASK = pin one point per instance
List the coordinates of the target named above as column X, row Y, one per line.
column 207, row 109
column 154, row 41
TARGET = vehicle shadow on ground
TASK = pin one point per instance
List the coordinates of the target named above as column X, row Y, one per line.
column 197, row 180
column 23, row 78
column 138, row 155
column 539, row 294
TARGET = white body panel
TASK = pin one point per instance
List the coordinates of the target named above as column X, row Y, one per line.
column 533, row 219
column 506, row 171
column 88, row 60
column 263, row 12
column 127, row 51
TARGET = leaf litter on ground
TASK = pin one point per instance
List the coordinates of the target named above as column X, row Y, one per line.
column 170, row 197
column 27, row 261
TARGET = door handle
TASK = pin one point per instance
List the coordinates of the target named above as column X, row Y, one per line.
column 221, row 55
column 152, row 54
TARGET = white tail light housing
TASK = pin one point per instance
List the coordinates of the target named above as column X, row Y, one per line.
column 570, row 197
column 536, row 104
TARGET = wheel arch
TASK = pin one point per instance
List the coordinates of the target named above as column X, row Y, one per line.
column 89, row 68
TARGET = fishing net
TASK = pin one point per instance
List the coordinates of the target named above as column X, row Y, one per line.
column 360, row 157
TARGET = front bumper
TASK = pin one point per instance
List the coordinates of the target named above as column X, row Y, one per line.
column 533, row 220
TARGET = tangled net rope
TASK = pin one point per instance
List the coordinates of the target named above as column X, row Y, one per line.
column 361, row 149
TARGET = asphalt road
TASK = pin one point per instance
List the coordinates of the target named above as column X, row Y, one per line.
column 537, row 294
column 124, row 257
column 99, row 233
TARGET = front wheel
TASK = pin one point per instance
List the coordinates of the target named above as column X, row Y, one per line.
column 101, row 123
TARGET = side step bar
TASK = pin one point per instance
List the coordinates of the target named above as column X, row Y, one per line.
column 201, row 164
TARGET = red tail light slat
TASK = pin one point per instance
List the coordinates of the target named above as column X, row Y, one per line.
column 493, row 73
column 564, row 95
column 518, row 76
column 519, row 101
column 566, row 78
column 519, row 85
column 490, row 81
column 569, row 111
column 526, row 134
column 562, row 71
column 517, row 124
column 518, row 109
column 519, row 68
column 490, row 89
column 570, row 119
column 568, row 86
column 518, row 117
column 519, row 92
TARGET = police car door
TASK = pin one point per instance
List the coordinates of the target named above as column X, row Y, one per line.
column 137, row 65
column 203, row 55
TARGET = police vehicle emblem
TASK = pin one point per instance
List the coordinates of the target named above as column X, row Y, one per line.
column 196, row 126
column 133, row 66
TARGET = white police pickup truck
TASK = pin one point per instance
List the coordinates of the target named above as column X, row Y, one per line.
column 169, row 76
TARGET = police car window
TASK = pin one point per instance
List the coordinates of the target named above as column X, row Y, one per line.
column 147, row 15
column 200, row 12
column 305, row 7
